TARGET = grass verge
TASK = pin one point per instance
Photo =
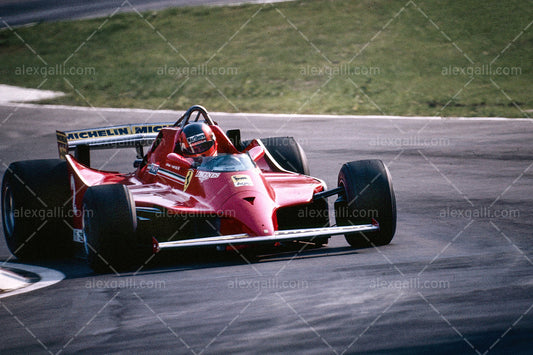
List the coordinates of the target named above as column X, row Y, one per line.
column 446, row 58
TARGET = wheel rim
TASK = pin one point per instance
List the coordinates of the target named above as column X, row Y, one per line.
column 8, row 211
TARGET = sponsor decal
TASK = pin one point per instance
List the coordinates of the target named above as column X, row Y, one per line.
column 196, row 139
column 109, row 132
column 171, row 166
column 147, row 129
column 78, row 236
column 62, row 144
column 61, row 137
column 188, row 179
column 114, row 131
column 206, row 175
column 153, row 169
column 167, row 174
column 242, row 180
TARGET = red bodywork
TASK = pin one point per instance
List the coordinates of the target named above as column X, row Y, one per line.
column 242, row 201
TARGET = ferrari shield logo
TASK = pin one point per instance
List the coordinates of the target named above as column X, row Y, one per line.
column 188, row 179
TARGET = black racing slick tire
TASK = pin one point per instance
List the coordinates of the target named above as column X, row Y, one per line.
column 287, row 152
column 368, row 194
column 109, row 226
column 35, row 209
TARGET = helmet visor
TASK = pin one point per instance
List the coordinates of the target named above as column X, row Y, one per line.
column 198, row 147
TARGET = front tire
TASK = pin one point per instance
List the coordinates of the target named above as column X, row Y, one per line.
column 109, row 226
column 35, row 209
column 368, row 193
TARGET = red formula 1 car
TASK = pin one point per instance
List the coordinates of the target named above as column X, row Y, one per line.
column 196, row 187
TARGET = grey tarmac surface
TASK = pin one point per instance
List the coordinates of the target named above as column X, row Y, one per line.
column 457, row 277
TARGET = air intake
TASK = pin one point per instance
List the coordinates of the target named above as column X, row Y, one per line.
column 250, row 199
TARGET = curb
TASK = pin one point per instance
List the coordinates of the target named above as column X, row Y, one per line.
column 13, row 279
column 21, row 278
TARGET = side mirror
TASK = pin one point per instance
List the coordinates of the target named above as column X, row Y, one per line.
column 178, row 159
column 256, row 153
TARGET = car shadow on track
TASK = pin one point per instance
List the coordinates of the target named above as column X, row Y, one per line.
column 193, row 259
column 173, row 261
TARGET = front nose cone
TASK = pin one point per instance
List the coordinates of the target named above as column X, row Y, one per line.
column 254, row 210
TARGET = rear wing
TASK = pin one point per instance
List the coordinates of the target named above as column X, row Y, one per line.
column 81, row 142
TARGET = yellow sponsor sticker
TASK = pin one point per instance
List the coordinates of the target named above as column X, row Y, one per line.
column 188, row 179
column 62, row 144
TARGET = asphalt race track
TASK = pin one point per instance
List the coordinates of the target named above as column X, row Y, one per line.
column 457, row 277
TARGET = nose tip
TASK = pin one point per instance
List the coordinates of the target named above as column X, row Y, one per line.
column 254, row 211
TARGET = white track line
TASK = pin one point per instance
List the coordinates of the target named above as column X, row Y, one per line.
column 9, row 94
column 10, row 280
column 48, row 278
column 262, row 115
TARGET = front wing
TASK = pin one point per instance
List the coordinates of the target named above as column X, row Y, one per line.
column 279, row 236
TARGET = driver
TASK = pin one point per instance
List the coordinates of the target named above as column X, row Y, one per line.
column 196, row 140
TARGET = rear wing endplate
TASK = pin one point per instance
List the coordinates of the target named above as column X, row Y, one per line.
column 124, row 136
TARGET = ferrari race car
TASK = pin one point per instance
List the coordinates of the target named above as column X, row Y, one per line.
column 195, row 187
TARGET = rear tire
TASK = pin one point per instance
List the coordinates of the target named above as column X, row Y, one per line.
column 368, row 193
column 287, row 152
column 109, row 226
column 35, row 206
